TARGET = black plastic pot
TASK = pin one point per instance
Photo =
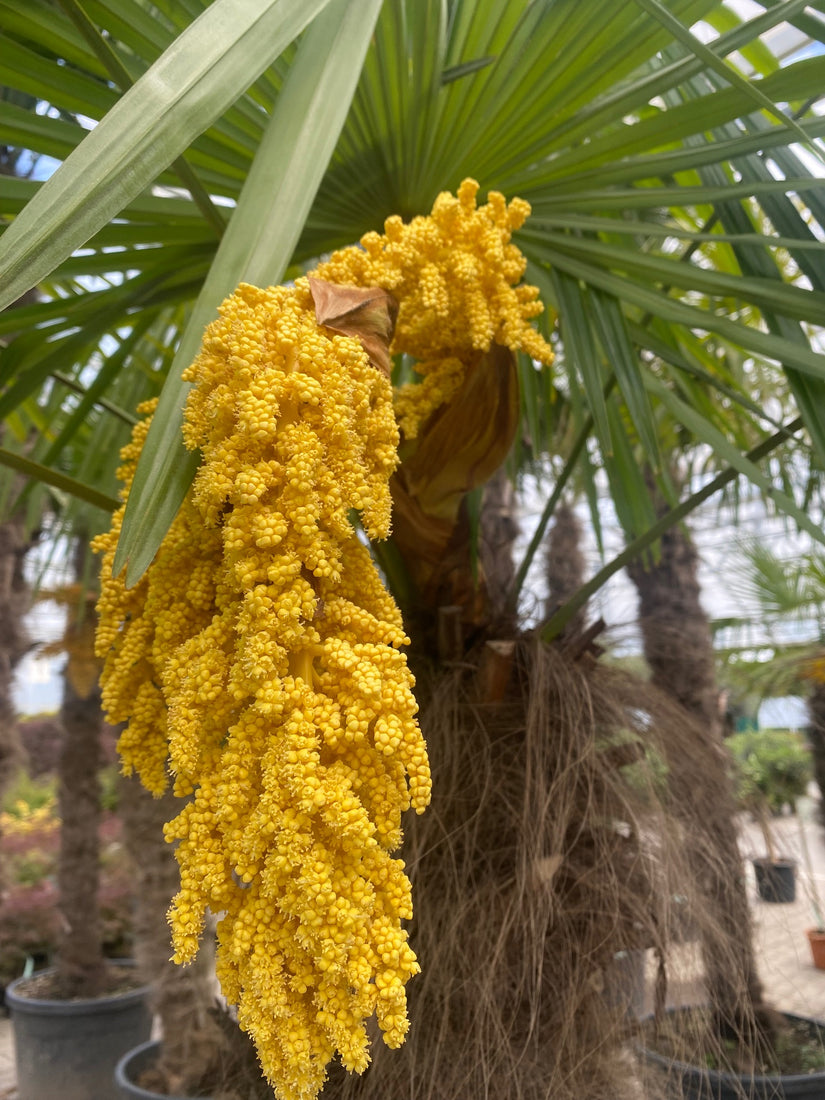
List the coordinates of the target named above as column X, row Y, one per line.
column 69, row 1049
column 697, row 1083
column 129, row 1069
column 775, row 881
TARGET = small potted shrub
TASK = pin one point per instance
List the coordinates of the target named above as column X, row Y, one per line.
column 816, row 935
column 774, row 769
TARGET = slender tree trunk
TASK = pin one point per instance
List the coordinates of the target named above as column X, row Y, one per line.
column 816, row 737
column 564, row 566
column 679, row 650
column 675, row 629
column 14, row 601
column 80, row 960
column 81, row 967
column 498, row 534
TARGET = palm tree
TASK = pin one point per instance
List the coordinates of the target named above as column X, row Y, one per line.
column 16, row 538
column 81, row 969
column 782, row 592
column 678, row 648
column 663, row 183
column 14, row 598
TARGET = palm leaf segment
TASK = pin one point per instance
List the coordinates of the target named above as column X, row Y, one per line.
column 676, row 219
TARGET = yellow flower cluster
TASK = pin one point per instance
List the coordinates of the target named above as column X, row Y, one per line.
column 259, row 660
column 138, row 628
column 262, row 652
column 455, row 275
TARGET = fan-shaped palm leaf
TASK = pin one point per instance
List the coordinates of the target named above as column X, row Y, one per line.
column 625, row 136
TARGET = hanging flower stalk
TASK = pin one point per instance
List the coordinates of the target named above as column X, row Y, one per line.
column 260, row 661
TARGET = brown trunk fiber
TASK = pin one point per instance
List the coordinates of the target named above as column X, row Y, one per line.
column 81, row 968
column 14, row 601
column 679, row 650
column 524, row 889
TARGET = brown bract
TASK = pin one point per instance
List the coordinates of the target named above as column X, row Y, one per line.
column 460, row 447
column 366, row 313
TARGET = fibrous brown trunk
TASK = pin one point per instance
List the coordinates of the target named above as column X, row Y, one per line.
column 679, row 650
column 14, row 600
column 525, row 889
column 497, row 536
column 81, row 967
column 565, row 566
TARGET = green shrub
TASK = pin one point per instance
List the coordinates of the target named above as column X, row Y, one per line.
column 773, row 768
column 25, row 794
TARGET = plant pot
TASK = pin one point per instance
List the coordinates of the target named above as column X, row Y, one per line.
column 70, row 1048
column 817, row 941
column 698, row 1083
column 776, row 880
column 129, row 1069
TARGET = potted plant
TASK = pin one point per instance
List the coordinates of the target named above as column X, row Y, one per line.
column 816, row 935
column 774, row 769
column 697, row 1065
column 72, row 1023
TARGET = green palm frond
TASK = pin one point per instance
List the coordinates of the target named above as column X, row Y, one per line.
column 780, row 589
column 677, row 227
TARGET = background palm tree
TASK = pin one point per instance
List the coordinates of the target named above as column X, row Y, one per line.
column 788, row 596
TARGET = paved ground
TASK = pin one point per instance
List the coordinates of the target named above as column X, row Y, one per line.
column 785, row 964
column 790, row 979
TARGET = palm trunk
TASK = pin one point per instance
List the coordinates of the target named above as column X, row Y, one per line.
column 14, row 601
column 80, row 962
column 679, row 650
column 498, row 534
column 13, row 604
column 564, row 566
column 81, row 967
